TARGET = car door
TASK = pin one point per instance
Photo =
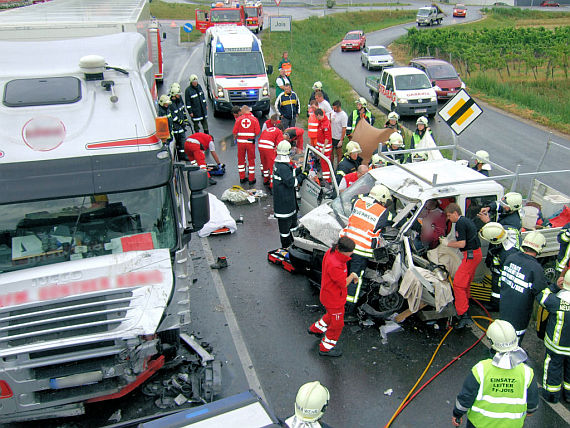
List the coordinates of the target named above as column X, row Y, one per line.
column 382, row 100
column 364, row 56
column 311, row 193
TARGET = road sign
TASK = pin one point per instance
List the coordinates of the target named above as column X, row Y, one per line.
column 280, row 23
column 188, row 27
column 460, row 111
column 277, row 2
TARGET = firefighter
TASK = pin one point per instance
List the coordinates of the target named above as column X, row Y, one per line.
column 312, row 123
column 358, row 113
column 482, row 162
column 506, row 212
column 350, row 161
column 245, row 130
column 194, row 148
column 196, row 105
column 392, row 121
column 564, row 253
column 557, row 342
column 287, row 104
column 369, row 216
column 420, row 132
column 310, row 405
column 268, row 141
column 179, row 121
column 499, row 249
column 334, row 283
column 324, row 142
column 467, row 241
column 396, row 143
column 499, row 391
column 164, row 110
column 522, row 279
column 285, row 181
column 318, row 86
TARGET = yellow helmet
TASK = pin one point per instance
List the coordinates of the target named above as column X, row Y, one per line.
column 513, row 200
column 317, row 85
column 175, row 89
column 393, row 115
column 311, row 402
column 193, row 78
column 396, row 139
column 493, row 232
column 284, row 148
column 164, row 100
column 353, row 147
column 381, row 193
column 423, row 120
column 535, row 241
column 362, row 101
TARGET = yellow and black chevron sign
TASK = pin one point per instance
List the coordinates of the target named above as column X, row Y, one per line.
column 460, row 111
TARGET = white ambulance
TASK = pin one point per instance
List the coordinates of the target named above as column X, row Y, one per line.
column 234, row 69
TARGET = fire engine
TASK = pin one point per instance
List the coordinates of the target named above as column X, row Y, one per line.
column 221, row 13
column 254, row 16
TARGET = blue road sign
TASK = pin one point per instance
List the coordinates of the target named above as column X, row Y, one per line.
column 188, row 27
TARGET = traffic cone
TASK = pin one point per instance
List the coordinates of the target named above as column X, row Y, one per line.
column 173, row 24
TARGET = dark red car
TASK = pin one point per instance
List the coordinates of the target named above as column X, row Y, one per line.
column 353, row 41
column 549, row 3
column 441, row 74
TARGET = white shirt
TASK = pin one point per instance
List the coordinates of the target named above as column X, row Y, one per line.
column 338, row 121
column 326, row 108
column 282, row 81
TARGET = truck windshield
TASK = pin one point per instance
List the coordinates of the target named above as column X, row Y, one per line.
column 58, row 230
column 238, row 63
column 423, row 12
column 412, row 81
column 343, row 204
column 225, row 15
column 250, row 12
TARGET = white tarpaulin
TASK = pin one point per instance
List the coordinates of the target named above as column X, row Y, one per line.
column 427, row 142
column 322, row 225
column 219, row 217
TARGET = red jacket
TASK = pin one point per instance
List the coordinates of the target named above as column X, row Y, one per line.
column 270, row 138
column 350, row 178
column 324, row 131
column 246, row 128
column 203, row 138
column 333, row 279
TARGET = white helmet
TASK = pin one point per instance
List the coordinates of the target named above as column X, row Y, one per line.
column 193, row 78
column 380, row 193
column 513, row 200
column 482, row 156
column 353, row 147
column 164, row 100
column 311, row 402
column 423, row 120
column 175, row 89
column 502, row 336
column 396, row 139
column 317, row 85
column 393, row 115
column 535, row 241
column 493, row 232
column 362, row 101
column 284, row 148
column 376, row 160
column 566, row 282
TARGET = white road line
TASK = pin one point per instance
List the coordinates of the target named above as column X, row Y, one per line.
column 237, row 337
column 186, row 64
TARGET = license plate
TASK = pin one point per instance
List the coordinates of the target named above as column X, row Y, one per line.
column 421, row 110
column 451, row 93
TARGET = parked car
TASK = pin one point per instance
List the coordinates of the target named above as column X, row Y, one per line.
column 376, row 57
column 549, row 3
column 353, row 41
column 441, row 74
column 459, row 11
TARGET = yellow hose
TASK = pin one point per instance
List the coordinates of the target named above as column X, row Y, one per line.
column 419, row 380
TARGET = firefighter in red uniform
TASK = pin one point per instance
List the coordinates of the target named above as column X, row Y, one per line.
column 245, row 130
column 334, row 285
column 194, row 147
column 266, row 145
column 313, row 123
column 324, row 141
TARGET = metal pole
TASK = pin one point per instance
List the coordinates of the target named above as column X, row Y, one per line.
column 516, row 178
column 455, row 144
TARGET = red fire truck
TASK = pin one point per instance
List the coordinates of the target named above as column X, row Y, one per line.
column 254, row 16
column 221, row 13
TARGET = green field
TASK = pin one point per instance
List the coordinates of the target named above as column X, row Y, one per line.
column 514, row 59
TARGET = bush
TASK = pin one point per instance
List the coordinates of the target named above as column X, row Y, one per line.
column 330, row 3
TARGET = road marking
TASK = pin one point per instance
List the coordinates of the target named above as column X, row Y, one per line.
column 186, row 64
column 237, row 337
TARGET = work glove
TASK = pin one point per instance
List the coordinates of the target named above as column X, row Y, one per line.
column 444, row 241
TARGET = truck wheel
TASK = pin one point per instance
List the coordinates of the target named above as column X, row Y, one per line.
column 550, row 271
column 431, row 23
column 439, row 21
column 391, row 302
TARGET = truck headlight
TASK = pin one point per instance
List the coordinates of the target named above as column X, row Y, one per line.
column 265, row 90
column 402, row 101
column 433, row 99
column 220, row 91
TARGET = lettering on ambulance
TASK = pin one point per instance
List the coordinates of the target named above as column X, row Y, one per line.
column 512, row 277
column 57, row 291
column 503, row 384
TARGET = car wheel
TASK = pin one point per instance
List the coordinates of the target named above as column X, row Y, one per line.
column 368, row 65
column 341, row 49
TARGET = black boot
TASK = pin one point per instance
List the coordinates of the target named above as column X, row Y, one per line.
column 220, row 264
column 551, row 397
column 334, row 352
column 463, row 321
column 243, row 180
column 319, row 335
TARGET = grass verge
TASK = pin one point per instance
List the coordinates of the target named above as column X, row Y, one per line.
column 177, row 11
column 543, row 100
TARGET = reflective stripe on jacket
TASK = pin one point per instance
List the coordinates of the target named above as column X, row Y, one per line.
column 313, row 125
column 502, row 396
column 361, row 224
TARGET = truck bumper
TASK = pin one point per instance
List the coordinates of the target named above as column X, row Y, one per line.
column 416, row 109
column 226, row 106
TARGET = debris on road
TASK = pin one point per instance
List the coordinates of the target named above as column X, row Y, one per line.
column 388, row 392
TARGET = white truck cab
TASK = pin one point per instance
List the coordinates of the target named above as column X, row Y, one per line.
column 234, row 69
column 405, row 90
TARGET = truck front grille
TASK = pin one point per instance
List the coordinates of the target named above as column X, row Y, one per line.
column 57, row 320
column 420, row 101
column 244, row 96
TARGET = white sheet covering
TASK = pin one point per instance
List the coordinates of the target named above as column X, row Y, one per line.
column 219, row 217
column 322, row 225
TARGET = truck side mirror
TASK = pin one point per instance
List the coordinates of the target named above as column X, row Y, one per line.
column 164, row 35
column 269, row 69
column 207, row 71
column 433, row 83
column 199, row 199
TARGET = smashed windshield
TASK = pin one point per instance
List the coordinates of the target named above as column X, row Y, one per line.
column 343, row 204
column 412, row 81
column 238, row 63
column 225, row 15
column 58, row 230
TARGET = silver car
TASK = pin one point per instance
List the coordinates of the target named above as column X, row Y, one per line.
column 376, row 57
